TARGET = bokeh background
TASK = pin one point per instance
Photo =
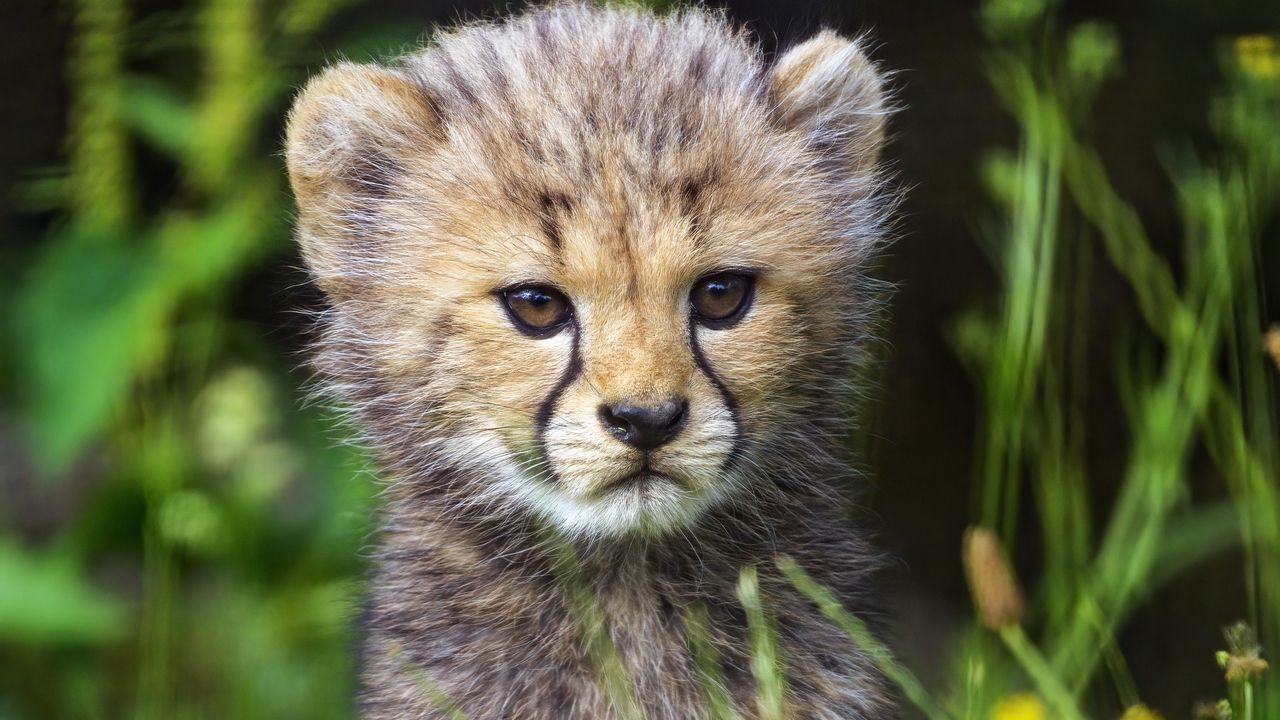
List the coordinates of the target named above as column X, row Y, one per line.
column 1076, row 356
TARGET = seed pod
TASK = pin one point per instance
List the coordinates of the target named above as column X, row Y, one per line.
column 992, row 583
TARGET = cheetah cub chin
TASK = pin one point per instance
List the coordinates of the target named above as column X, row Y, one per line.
column 597, row 275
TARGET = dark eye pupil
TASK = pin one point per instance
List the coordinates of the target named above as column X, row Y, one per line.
column 536, row 309
column 720, row 297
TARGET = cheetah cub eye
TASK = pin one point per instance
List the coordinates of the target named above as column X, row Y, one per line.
column 717, row 301
column 721, row 299
column 537, row 310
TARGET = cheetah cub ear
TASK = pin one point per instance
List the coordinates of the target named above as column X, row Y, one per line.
column 348, row 134
column 827, row 88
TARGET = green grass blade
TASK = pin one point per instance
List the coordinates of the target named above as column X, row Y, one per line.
column 707, row 665
column 766, row 657
column 857, row 630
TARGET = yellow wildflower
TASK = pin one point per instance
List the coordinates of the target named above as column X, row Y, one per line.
column 1022, row 706
column 1141, row 712
column 1257, row 55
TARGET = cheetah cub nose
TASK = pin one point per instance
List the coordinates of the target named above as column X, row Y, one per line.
column 645, row 427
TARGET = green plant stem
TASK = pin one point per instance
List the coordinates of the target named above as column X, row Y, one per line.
column 766, row 657
column 1012, row 367
column 1130, row 251
column 857, row 630
column 1180, row 326
column 101, row 180
column 593, row 625
column 707, row 662
column 443, row 702
column 1047, row 683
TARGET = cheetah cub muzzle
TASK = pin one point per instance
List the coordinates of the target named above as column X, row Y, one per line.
column 599, row 272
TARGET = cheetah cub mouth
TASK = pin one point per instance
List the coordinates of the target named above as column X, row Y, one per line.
column 609, row 297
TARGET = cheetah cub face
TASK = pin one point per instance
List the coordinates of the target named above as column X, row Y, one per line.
column 610, row 277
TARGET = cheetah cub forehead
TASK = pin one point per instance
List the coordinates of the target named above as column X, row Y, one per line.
column 592, row 263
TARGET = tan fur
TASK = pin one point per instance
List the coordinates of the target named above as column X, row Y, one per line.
column 618, row 157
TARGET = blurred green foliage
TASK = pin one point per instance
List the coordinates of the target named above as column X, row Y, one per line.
column 213, row 565
column 1058, row 208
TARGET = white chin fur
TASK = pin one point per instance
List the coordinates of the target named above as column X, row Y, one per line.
column 654, row 509
column 660, row 507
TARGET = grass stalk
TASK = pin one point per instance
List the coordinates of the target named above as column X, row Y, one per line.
column 439, row 697
column 767, row 664
column 1038, row 669
column 858, row 631
column 615, row 681
column 101, row 166
column 707, row 665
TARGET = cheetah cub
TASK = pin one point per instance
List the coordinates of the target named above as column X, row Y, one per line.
column 598, row 275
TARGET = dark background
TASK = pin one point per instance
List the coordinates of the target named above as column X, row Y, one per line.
column 924, row 425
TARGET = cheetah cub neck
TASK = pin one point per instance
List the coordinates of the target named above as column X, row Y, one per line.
column 601, row 271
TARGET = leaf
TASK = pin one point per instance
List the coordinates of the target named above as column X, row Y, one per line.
column 45, row 600
column 159, row 116
column 205, row 252
column 1193, row 537
column 89, row 314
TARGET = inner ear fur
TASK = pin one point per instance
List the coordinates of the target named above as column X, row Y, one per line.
column 828, row 88
column 347, row 117
column 348, row 132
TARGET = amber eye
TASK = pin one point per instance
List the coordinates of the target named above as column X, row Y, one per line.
column 720, row 300
column 536, row 309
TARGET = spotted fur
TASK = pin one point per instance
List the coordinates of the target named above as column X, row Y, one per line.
column 617, row 156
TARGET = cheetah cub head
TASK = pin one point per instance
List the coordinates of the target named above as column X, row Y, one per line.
column 593, row 264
